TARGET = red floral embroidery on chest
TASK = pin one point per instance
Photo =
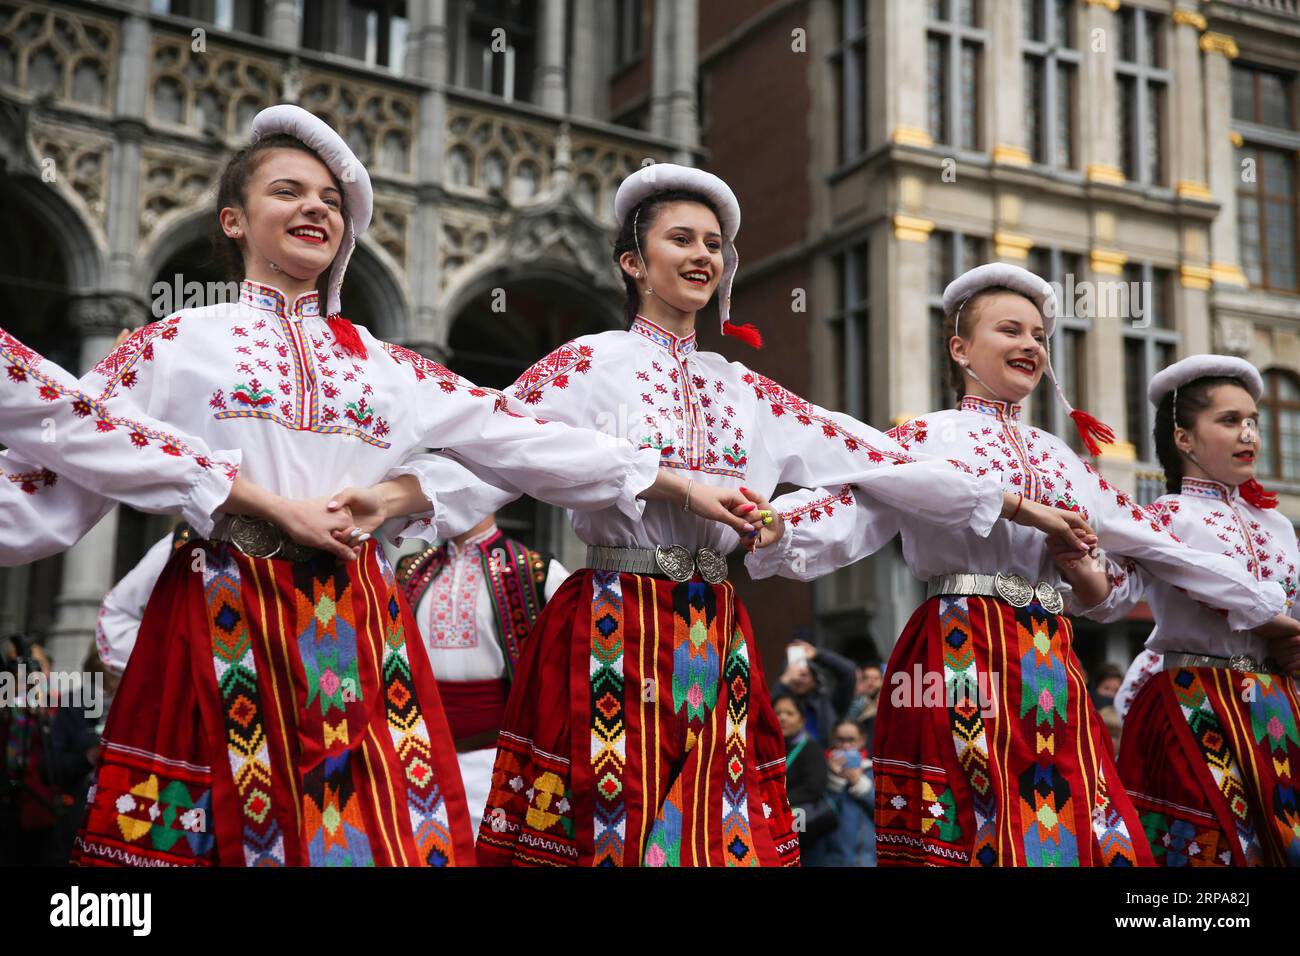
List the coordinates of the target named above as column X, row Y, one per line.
column 688, row 417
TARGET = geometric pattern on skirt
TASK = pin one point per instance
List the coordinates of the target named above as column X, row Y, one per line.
column 1209, row 757
column 639, row 732
column 989, row 750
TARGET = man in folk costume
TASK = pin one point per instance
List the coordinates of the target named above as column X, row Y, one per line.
column 475, row 599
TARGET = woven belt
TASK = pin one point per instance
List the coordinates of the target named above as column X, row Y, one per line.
column 674, row 562
column 259, row 538
column 1015, row 589
column 1237, row 662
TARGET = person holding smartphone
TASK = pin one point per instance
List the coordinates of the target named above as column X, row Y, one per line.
column 851, row 789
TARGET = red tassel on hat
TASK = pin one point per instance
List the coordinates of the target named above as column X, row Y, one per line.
column 1256, row 494
column 346, row 335
column 746, row 333
column 1092, row 430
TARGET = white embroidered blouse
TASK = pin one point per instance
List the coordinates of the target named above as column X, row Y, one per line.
column 1212, row 519
column 826, row 530
column 267, row 376
column 72, row 453
column 717, row 422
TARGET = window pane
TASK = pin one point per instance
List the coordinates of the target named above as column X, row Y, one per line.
column 1243, row 92
column 1128, row 34
column 1127, row 118
column 1274, row 101
column 1247, row 160
column 1031, row 19
column 1063, row 22
column 1064, row 115
column 942, row 395
column 1248, row 237
column 1034, row 83
column 940, row 261
column 1266, row 465
column 936, row 86
column 1152, row 53
column 1135, row 395
column 970, row 12
column 973, row 253
column 1279, row 234
column 1153, row 161
column 1277, row 175
column 970, row 63
column 1286, row 386
column 1290, row 421
column 938, row 9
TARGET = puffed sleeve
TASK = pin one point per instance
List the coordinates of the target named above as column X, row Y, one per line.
column 123, row 607
column 42, row 513
column 824, row 531
column 496, row 437
column 100, row 438
column 460, row 496
column 816, row 448
column 1125, row 528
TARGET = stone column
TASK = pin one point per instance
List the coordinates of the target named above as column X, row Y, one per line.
column 900, row 47
column 550, row 82
column 88, row 567
column 1004, row 78
column 661, row 67
column 1223, row 172
column 283, row 25
column 427, row 61
column 589, row 61
column 1187, row 126
column 1099, row 139
column 683, row 124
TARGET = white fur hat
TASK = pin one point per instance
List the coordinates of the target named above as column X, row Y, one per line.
column 1193, row 367
column 358, row 196
column 661, row 177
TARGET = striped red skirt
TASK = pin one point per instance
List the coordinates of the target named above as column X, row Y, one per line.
column 989, row 751
column 1209, row 757
column 276, row 713
column 639, row 732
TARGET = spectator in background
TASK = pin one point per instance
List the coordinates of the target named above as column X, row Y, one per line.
column 852, row 793
column 805, row 782
column 1109, row 678
column 27, row 799
column 822, row 685
column 862, row 711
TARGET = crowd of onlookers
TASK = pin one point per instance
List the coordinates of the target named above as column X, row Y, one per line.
column 826, row 706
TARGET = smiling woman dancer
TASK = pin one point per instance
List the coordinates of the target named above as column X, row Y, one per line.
column 1006, row 762
column 639, row 728
column 1211, row 746
column 274, row 711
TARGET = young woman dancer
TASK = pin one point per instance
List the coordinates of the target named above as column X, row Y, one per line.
column 1211, row 747
column 274, row 711
column 639, row 728
column 988, row 749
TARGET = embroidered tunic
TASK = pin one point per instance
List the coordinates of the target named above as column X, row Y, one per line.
column 266, row 375
column 1212, row 518
column 70, row 454
column 717, row 422
column 830, row 529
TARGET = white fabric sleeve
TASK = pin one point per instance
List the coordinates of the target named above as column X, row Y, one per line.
column 1125, row 528
column 824, row 531
column 42, row 513
column 103, row 441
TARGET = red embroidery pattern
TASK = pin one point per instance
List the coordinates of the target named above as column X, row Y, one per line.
column 23, row 366
column 424, row 368
column 553, row 370
column 781, row 402
column 119, row 367
column 821, row 507
column 33, row 481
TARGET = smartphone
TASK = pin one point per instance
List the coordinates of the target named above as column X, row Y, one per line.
column 794, row 654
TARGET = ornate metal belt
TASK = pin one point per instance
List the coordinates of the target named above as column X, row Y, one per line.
column 674, row 562
column 1015, row 589
column 259, row 538
column 1237, row 662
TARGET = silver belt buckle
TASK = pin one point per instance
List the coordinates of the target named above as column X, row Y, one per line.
column 1049, row 598
column 1014, row 589
column 712, row 565
column 255, row 537
column 675, row 562
column 1243, row 662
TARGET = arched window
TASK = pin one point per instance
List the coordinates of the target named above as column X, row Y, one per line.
column 1279, row 423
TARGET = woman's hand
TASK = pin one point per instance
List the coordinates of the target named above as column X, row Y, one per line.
column 1286, row 651
column 371, row 507
column 311, row 523
column 1085, row 574
column 768, row 523
column 1067, row 528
